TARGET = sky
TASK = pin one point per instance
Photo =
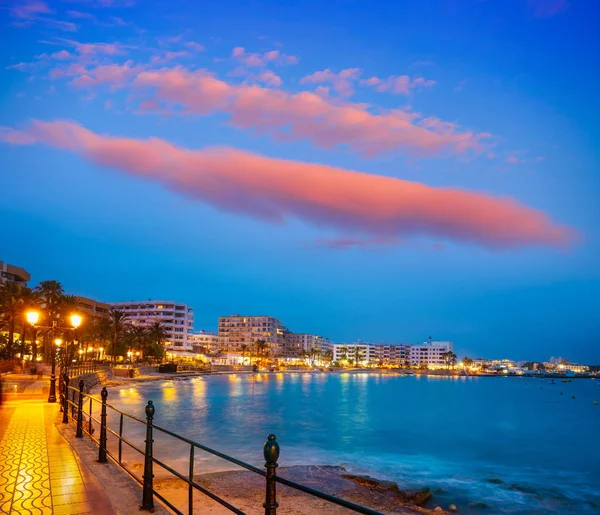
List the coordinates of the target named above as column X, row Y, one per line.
column 387, row 171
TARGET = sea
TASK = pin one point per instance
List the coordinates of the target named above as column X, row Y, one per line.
column 508, row 445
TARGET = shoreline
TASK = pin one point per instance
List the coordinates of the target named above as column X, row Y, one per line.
column 245, row 490
column 182, row 376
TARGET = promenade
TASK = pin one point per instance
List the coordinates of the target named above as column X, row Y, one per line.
column 39, row 472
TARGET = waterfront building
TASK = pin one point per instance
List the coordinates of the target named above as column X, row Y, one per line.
column 177, row 319
column 204, row 342
column 391, row 354
column 298, row 343
column 429, row 354
column 92, row 309
column 362, row 353
column 238, row 330
column 13, row 274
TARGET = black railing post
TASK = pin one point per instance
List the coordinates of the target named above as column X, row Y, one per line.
column 102, row 448
column 147, row 498
column 79, row 432
column 65, row 418
column 271, row 453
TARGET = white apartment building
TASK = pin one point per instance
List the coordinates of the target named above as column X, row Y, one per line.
column 204, row 340
column 357, row 352
column 177, row 319
column 429, row 353
column 238, row 330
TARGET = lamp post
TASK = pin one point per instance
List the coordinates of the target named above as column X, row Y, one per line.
column 33, row 318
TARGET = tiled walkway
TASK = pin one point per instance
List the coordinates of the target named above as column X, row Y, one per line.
column 39, row 474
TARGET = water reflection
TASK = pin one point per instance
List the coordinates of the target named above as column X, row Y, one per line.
column 416, row 430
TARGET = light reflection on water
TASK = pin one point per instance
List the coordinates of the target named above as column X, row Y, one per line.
column 452, row 433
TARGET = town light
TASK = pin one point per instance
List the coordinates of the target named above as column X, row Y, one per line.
column 75, row 321
column 90, row 349
column 58, row 342
column 32, row 317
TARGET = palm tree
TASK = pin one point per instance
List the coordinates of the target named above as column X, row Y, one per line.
column 140, row 339
column 244, row 348
column 31, row 301
column 450, row 358
column 467, row 362
column 261, row 346
column 50, row 294
column 157, row 335
column 118, row 321
column 317, row 354
column 101, row 333
column 11, row 307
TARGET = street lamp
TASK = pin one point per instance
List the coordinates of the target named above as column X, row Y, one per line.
column 33, row 318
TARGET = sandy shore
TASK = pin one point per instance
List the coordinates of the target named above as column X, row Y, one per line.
column 246, row 490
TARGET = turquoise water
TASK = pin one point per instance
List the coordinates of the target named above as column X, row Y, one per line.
column 515, row 444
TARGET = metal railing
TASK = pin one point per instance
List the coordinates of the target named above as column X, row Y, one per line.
column 74, row 404
column 82, row 368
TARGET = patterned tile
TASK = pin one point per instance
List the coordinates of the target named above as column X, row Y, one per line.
column 39, row 474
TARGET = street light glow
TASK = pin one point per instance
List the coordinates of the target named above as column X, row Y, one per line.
column 75, row 321
column 58, row 342
column 32, row 317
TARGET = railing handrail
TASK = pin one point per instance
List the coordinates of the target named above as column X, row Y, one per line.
column 271, row 453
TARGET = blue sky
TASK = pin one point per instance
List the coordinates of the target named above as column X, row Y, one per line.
column 515, row 82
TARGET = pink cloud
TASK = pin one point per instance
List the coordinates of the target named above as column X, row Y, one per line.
column 400, row 85
column 308, row 116
column 80, row 15
column 270, row 78
column 522, row 157
column 341, row 82
column 547, row 8
column 30, row 9
column 61, row 56
column 323, row 196
column 114, row 75
column 256, row 60
column 28, row 12
column 98, row 48
column 196, row 47
column 169, row 56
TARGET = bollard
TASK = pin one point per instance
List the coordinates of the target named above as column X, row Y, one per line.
column 147, row 497
column 271, row 453
column 102, row 448
column 65, row 419
column 79, row 432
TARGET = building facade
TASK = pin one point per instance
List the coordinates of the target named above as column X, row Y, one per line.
column 13, row 274
column 238, row 330
column 177, row 319
column 298, row 343
column 204, row 342
column 92, row 309
column 429, row 353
